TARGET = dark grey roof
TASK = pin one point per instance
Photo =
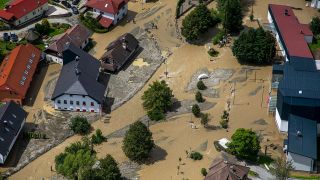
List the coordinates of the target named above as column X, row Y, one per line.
column 80, row 75
column 300, row 83
column 302, row 136
column 14, row 116
column 117, row 53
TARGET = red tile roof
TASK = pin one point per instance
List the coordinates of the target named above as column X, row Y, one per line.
column 20, row 8
column 17, row 69
column 292, row 32
column 108, row 6
column 105, row 22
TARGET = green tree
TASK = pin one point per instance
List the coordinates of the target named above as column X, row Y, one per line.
column 201, row 85
column 98, row 138
column 156, row 115
column 315, row 26
column 137, row 142
column 80, row 125
column 255, row 46
column 197, row 22
column 204, row 119
column 204, row 171
column 282, row 168
column 157, row 99
column 231, row 11
column 199, row 97
column 46, row 26
column 196, row 110
column 244, row 144
column 107, row 169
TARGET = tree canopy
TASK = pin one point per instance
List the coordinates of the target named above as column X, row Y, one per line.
column 244, row 144
column 157, row 99
column 197, row 22
column 138, row 142
column 80, row 125
column 255, row 46
column 282, row 168
column 231, row 13
column 315, row 26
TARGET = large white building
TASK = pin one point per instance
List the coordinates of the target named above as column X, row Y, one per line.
column 78, row 87
column 19, row 12
column 109, row 12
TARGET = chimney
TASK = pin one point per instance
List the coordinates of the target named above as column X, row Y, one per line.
column 301, row 32
column 77, row 58
column 77, row 71
column 124, row 45
column 286, row 12
column 299, row 134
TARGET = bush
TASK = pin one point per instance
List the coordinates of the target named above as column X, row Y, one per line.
column 156, row 115
column 225, row 115
column 196, row 155
column 80, row 125
column 204, row 171
column 213, row 53
column 224, row 124
column 92, row 23
column 196, row 110
column 137, row 142
column 201, row 85
column 204, row 119
column 97, row 138
column 255, row 46
column 315, row 25
column 244, row 144
column 218, row 37
column 199, row 97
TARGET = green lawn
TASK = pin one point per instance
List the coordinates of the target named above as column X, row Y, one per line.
column 312, row 177
column 315, row 45
column 3, row 3
column 56, row 31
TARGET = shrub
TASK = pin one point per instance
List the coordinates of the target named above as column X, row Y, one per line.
column 224, row 124
column 315, row 25
column 225, row 115
column 137, row 142
column 196, row 155
column 204, row 119
column 156, row 114
column 80, row 125
column 213, row 53
column 97, row 138
column 201, row 85
column 199, row 97
column 196, row 110
column 218, row 37
column 204, row 171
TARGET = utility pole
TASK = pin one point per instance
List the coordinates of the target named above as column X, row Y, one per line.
column 262, row 95
column 234, row 91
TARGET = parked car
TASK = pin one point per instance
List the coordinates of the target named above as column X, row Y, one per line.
column 75, row 2
column 66, row 4
column 14, row 38
column 74, row 10
column 6, row 37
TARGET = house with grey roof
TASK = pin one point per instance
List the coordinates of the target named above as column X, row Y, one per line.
column 78, row 35
column 78, row 87
column 12, row 120
column 119, row 52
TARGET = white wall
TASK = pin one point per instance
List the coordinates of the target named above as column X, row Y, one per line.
column 37, row 12
column 300, row 163
column 74, row 107
column 308, row 39
column 115, row 17
column 1, row 159
column 282, row 124
column 54, row 59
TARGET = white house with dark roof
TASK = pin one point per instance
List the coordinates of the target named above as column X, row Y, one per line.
column 78, row 87
column 12, row 120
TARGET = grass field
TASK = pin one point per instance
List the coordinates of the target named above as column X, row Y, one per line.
column 3, row 3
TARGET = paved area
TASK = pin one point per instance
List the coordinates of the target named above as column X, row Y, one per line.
column 55, row 10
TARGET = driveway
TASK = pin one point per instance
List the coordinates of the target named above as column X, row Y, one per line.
column 264, row 174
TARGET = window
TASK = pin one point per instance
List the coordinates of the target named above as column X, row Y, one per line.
column 84, row 103
column 83, row 96
column 65, row 102
column 30, row 60
column 33, row 13
column 26, row 72
column 78, row 110
column 59, row 102
column 21, row 82
column 78, row 103
column 70, row 95
column 71, row 102
column 28, row 66
column 84, row 110
column 92, row 103
column 92, row 110
column 24, row 78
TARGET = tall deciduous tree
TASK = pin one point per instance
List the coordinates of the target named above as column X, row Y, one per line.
column 107, row 169
column 315, row 25
column 197, row 22
column 244, row 144
column 157, row 99
column 255, row 46
column 231, row 11
column 138, row 142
